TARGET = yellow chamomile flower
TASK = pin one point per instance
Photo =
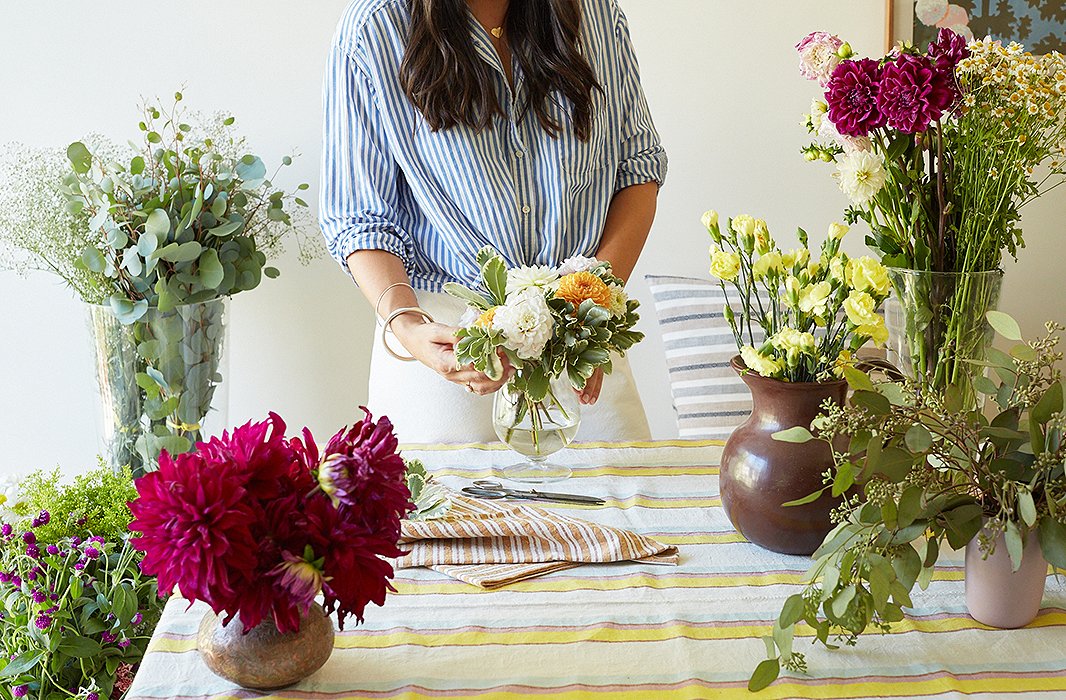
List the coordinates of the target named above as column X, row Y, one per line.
column 759, row 363
column 814, row 297
column 866, row 274
column 768, row 263
column 724, row 264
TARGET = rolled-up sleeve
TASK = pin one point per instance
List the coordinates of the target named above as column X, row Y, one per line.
column 643, row 158
column 358, row 208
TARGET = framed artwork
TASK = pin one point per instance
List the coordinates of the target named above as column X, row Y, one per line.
column 1038, row 24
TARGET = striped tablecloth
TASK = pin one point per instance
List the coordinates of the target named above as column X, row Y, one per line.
column 632, row 630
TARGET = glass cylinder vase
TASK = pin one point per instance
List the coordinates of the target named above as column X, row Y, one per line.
column 159, row 381
column 937, row 326
column 536, row 429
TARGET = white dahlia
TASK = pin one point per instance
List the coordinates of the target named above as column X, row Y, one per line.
column 526, row 323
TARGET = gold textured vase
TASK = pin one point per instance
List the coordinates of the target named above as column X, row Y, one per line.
column 266, row 659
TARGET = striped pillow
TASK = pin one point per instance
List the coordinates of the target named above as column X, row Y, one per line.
column 709, row 397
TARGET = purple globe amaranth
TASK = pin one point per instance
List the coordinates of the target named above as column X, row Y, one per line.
column 913, row 93
column 5, row 530
column 42, row 622
column 852, row 96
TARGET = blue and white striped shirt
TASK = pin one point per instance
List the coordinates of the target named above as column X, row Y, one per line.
column 434, row 199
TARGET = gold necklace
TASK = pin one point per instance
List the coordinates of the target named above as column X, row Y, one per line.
column 496, row 32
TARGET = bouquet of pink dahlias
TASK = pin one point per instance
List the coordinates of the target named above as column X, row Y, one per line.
column 799, row 318
column 258, row 525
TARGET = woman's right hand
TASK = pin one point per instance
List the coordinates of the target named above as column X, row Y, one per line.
column 433, row 344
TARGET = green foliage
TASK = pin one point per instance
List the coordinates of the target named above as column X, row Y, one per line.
column 188, row 217
column 933, row 472
column 80, row 608
column 428, row 498
column 95, row 503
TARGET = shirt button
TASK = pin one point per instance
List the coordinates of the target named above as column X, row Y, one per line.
column 518, row 154
column 525, row 209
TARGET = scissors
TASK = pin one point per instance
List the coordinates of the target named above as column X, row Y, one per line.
column 494, row 489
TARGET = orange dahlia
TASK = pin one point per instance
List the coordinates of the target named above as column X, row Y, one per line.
column 579, row 286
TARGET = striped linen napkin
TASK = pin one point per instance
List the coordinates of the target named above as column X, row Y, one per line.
column 492, row 543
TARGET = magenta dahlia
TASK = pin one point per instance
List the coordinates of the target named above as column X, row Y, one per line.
column 913, row 93
column 948, row 49
column 852, row 96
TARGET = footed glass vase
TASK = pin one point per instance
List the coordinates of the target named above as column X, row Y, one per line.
column 937, row 331
column 159, row 381
column 536, row 429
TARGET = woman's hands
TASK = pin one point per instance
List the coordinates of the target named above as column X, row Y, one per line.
column 591, row 393
column 433, row 344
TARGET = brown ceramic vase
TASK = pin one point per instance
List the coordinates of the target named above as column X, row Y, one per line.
column 760, row 473
column 266, row 659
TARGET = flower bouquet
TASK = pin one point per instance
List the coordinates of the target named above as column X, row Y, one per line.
column 76, row 612
column 257, row 525
column 935, row 472
column 799, row 320
column 938, row 151
column 154, row 238
column 556, row 326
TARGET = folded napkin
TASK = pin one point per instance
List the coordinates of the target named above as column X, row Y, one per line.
column 494, row 543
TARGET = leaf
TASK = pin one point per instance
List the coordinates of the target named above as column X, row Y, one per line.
column 910, row 505
column 842, row 600
column 918, row 438
column 495, row 275
column 79, row 157
column 809, row 498
column 21, row 663
column 223, row 230
column 1049, row 404
column 877, row 404
column 127, row 311
column 792, row 611
column 471, row 297
column 93, row 259
column 1026, row 507
column 894, row 463
column 1012, row 535
column 271, row 272
column 79, row 647
column 844, row 479
column 797, row 434
column 158, row 224
column 180, row 252
column 1004, row 325
column 1053, row 542
column 765, row 674
column 210, row 269
column 251, row 168
column 858, row 379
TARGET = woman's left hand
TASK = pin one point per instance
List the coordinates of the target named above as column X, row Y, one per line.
column 591, row 392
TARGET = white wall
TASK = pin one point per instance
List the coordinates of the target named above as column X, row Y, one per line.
column 720, row 76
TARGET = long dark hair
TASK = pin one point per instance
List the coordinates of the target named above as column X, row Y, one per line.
column 444, row 78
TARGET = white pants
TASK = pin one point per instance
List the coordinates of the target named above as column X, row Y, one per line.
column 426, row 408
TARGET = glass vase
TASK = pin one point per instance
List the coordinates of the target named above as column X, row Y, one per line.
column 536, row 429
column 159, row 381
column 937, row 327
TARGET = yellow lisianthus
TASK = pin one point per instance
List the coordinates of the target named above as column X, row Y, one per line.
column 789, row 340
column 763, row 241
column 861, row 310
column 791, row 293
column 769, row 262
column 814, row 297
column 876, row 331
column 744, row 227
column 837, row 230
column 759, row 363
column 866, row 274
column 844, row 359
column 797, row 257
column 836, row 268
column 724, row 264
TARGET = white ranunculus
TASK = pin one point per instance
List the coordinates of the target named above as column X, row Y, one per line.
column 526, row 323
column 531, row 277
column 577, row 263
column 469, row 316
column 861, row 176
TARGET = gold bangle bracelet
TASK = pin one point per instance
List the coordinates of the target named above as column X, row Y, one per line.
column 381, row 297
column 392, row 317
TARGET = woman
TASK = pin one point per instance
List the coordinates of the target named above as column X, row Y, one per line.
column 455, row 124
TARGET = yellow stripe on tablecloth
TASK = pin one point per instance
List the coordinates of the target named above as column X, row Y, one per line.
column 586, row 472
column 607, row 633
column 637, row 444
column 566, row 584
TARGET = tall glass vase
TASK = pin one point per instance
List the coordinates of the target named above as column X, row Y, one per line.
column 159, row 381
column 937, row 327
column 536, row 429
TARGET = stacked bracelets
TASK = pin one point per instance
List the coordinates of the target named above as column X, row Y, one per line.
column 396, row 314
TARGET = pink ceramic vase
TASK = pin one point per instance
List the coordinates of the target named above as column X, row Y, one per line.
column 999, row 597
